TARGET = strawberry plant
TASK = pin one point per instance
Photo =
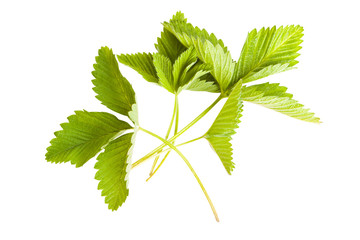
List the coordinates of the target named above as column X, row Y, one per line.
column 186, row 58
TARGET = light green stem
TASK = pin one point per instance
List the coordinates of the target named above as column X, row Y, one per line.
column 175, row 131
column 175, row 113
column 167, row 154
column 190, row 141
column 160, row 164
column 166, row 142
column 178, row 145
column 141, row 160
column 172, row 118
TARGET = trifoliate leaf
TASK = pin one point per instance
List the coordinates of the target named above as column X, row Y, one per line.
column 113, row 90
column 221, row 63
column 164, row 69
column 142, row 63
column 189, row 36
column 182, row 65
column 113, row 167
column 186, row 69
column 219, row 134
column 84, row 136
column 268, row 47
column 275, row 97
column 169, row 46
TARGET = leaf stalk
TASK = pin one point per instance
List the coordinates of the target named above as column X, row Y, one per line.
column 159, row 148
column 166, row 142
column 175, row 113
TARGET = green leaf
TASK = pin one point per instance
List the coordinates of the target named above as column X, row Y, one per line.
column 179, row 16
column 198, row 78
column 164, row 69
column 142, row 63
column 268, row 47
column 201, row 85
column 182, row 65
column 187, row 34
column 113, row 90
column 221, row 62
column 83, row 137
column 113, row 167
column 169, row 46
column 275, row 97
column 219, row 134
column 191, row 36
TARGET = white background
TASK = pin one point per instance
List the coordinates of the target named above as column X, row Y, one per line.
column 293, row 180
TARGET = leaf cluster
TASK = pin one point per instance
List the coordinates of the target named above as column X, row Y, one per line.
column 186, row 58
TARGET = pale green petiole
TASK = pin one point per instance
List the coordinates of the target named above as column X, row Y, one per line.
column 166, row 142
column 159, row 148
column 190, row 141
column 175, row 131
column 161, row 163
column 178, row 145
column 175, row 113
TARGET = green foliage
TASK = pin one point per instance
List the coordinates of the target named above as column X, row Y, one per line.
column 276, row 98
column 113, row 90
column 164, row 70
column 113, row 168
column 185, row 73
column 210, row 50
column 189, row 35
column 142, row 63
column 83, row 137
column 198, row 79
column 169, row 46
column 268, row 47
column 267, row 71
column 182, row 65
column 186, row 58
column 219, row 134
column 221, row 63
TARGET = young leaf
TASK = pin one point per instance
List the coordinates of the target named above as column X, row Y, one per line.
column 187, row 34
column 169, row 46
column 197, row 84
column 113, row 90
column 164, row 69
column 221, row 63
column 179, row 16
column 113, row 167
column 219, row 134
column 275, row 97
column 197, row 78
column 268, row 47
column 142, row 63
column 83, row 137
column 182, row 65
